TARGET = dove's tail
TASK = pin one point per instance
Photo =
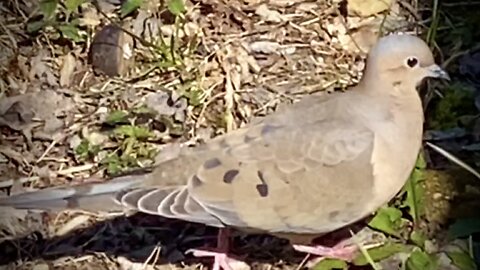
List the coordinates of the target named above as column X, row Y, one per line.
column 91, row 196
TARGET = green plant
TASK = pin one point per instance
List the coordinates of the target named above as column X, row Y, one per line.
column 60, row 16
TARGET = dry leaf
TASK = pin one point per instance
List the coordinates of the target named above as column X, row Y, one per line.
column 41, row 266
column 39, row 69
column 269, row 15
column 367, row 8
column 359, row 41
column 72, row 224
column 68, row 67
column 126, row 264
column 167, row 105
column 266, row 47
column 90, row 17
column 18, row 112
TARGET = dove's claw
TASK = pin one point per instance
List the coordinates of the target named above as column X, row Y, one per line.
column 222, row 261
column 346, row 253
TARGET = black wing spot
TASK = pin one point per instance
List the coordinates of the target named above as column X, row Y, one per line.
column 262, row 190
column 263, row 187
column 229, row 176
column 260, row 176
column 212, row 163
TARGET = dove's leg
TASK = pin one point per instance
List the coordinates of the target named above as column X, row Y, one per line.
column 340, row 251
column 222, row 261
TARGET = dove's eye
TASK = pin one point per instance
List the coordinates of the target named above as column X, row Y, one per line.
column 412, row 62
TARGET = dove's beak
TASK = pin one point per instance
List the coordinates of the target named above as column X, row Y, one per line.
column 437, row 72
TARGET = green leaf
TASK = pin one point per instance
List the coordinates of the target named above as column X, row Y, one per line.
column 176, row 7
column 380, row 253
column 421, row 163
column 48, row 7
column 117, row 117
column 330, row 264
column 418, row 238
column 130, row 6
column 420, row 260
column 113, row 164
column 85, row 149
column 72, row 5
column 82, row 148
column 464, row 227
column 133, row 132
column 195, row 97
column 388, row 220
column 70, row 32
column 415, row 191
column 35, row 26
column 462, row 260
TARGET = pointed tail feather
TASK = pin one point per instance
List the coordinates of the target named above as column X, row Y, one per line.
column 92, row 196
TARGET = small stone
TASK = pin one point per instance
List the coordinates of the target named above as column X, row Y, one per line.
column 111, row 52
column 437, row 196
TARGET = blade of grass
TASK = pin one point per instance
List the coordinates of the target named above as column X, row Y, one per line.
column 454, row 159
column 364, row 252
column 432, row 30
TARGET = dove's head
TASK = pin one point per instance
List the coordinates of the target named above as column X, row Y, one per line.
column 401, row 60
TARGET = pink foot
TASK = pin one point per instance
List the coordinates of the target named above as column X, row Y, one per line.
column 221, row 260
column 340, row 251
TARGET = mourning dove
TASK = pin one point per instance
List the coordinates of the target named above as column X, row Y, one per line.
column 314, row 167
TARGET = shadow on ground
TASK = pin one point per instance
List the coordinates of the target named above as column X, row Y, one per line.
column 135, row 238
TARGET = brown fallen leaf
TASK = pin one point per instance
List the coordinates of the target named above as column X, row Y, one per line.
column 365, row 8
column 40, row 70
column 27, row 111
column 68, row 67
column 269, row 15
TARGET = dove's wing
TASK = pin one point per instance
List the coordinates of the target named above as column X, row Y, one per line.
column 300, row 171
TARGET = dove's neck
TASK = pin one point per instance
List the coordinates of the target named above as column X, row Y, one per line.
column 400, row 140
column 399, row 136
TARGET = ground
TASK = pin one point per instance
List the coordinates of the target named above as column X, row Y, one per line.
column 79, row 103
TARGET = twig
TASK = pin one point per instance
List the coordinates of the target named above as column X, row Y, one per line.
column 303, row 262
column 154, row 255
column 364, row 251
column 49, row 148
column 69, row 171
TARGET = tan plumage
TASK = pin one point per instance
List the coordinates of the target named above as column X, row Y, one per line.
column 323, row 163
